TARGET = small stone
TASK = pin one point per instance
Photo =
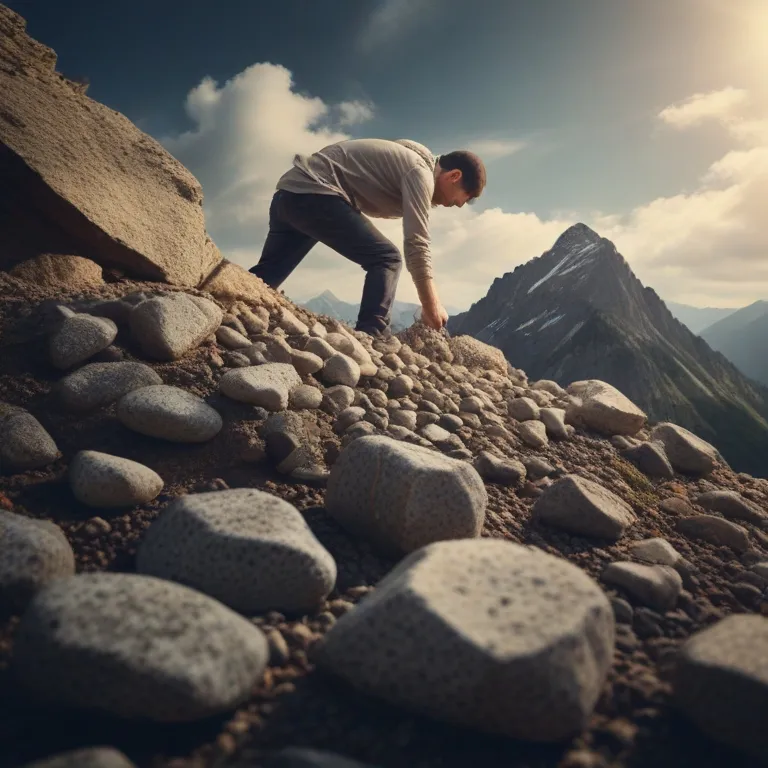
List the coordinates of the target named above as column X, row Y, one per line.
column 450, row 422
column 283, row 433
column 536, row 467
column 733, row 506
column 554, row 421
column 291, row 324
column 96, row 526
column 248, row 549
column 305, row 397
column 318, row 330
column 306, row 363
column 583, row 507
column 348, row 417
column 650, row 459
column 99, row 384
column 300, row 757
column 715, row 530
column 471, row 404
column 340, row 369
column 658, row 586
column 533, row 433
column 169, row 413
column 379, row 398
column 523, row 409
column 315, row 476
column 101, row 480
column 24, row 441
column 90, row 757
column 33, row 554
column 721, row 682
column 231, row 339
column 401, row 386
column 279, row 652
column 254, row 324
column 320, row 347
column 403, row 418
column 498, row 470
column 655, row 550
column 79, row 338
column 622, row 610
column 268, row 386
column 337, row 398
column 165, row 652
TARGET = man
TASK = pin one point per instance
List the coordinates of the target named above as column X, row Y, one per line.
column 323, row 197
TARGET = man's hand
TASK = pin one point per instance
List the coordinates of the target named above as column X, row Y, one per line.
column 433, row 313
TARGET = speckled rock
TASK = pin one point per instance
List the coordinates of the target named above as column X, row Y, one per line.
column 337, row 398
column 651, row 459
column 403, row 418
column 320, row 347
column 605, row 409
column 533, row 433
column 450, row 422
column 24, row 441
column 400, row 386
column 482, row 633
column 440, row 437
column 340, row 369
column 658, row 586
column 89, row 757
column 169, row 413
column 348, row 417
column 685, row 451
column 167, row 327
column 137, row 647
column 583, row 507
column 291, row 324
column 305, row 396
column 306, row 363
column 732, row 505
column 720, row 682
column 715, row 530
column 554, row 421
column 248, row 549
column 80, row 337
column 33, row 553
column 495, row 469
column 656, row 550
column 269, row 385
column 547, row 385
column 99, row 384
column 231, row 339
column 402, row 496
column 100, row 480
column 522, row 409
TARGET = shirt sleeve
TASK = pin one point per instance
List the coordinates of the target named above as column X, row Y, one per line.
column 417, row 188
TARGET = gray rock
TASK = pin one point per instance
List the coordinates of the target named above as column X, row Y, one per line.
column 401, row 386
column 481, row 633
column 554, row 421
column 306, row 363
column 621, row 442
column 277, row 349
column 550, row 386
column 320, row 347
column 99, row 384
column 536, row 467
column 402, row 496
column 761, row 569
column 533, row 433
column 685, row 451
column 341, row 343
column 583, row 507
column 650, row 459
column 605, row 409
column 622, row 610
column 379, row 398
column 283, row 433
column 291, row 324
column 33, row 553
column 297, row 757
column 340, row 369
column 403, row 418
column 733, row 506
column 90, row 757
column 658, row 586
column 247, row 548
column 24, row 442
column 655, row 550
column 720, row 682
column 429, row 407
column 256, row 353
column 378, row 419
column 305, row 396
column 523, row 409
column 169, row 413
column 254, row 324
column 79, row 338
column 450, row 422
column 136, row 647
column 423, row 418
column 436, row 435
column 100, row 480
column 231, row 339
column 268, row 386
column 167, row 327
column 472, row 404
column 348, row 417
column 318, row 330
column 311, row 475
column 715, row 530
column 495, row 469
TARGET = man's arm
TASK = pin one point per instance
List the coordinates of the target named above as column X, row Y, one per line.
column 417, row 189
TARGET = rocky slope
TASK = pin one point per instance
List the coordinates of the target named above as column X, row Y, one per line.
column 743, row 338
column 326, row 303
column 696, row 319
column 237, row 534
column 579, row 312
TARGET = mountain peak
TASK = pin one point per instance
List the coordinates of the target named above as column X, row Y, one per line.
column 327, row 295
column 578, row 233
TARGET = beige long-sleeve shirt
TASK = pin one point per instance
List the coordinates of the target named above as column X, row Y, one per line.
column 380, row 178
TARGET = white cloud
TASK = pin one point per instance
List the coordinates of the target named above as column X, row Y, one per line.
column 703, row 106
column 707, row 247
column 495, row 149
column 354, row 112
column 390, row 19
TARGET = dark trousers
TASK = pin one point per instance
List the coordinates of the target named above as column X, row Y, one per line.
column 298, row 221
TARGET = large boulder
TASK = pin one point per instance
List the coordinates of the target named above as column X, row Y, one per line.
column 136, row 647
column 686, row 452
column 402, row 496
column 92, row 173
column 482, row 633
column 604, row 409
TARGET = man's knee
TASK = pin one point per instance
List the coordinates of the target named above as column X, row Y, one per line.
column 388, row 258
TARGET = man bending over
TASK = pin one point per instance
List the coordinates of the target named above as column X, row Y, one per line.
column 323, row 197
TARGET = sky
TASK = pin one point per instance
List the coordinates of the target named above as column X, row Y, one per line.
column 645, row 119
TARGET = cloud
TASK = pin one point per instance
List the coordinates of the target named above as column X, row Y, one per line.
column 707, row 246
column 390, row 19
column 354, row 112
column 495, row 149
column 704, row 106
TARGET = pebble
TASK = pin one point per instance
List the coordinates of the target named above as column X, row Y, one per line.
column 89, row 757
column 533, row 433
column 733, row 506
column 523, row 409
column 658, row 586
column 305, row 397
column 650, row 459
column 98, row 384
column 306, row 363
column 495, row 469
column 268, row 386
column 24, row 442
column 80, row 337
column 231, row 339
column 715, row 530
column 340, row 369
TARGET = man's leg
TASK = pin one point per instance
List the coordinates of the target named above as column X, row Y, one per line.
column 283, row 249
column 329, row 219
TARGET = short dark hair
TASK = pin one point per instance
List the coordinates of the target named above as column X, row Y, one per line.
column 471, row 167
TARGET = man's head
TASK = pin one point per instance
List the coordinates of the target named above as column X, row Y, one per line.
column 459, row 178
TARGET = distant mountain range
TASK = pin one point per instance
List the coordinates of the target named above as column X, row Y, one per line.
column 743, row 338
column 578, row 312
column 698, row 318
column 403, row 313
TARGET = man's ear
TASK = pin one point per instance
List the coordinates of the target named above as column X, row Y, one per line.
column 456, row 175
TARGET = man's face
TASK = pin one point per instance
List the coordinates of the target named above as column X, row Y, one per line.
column 449, row 190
